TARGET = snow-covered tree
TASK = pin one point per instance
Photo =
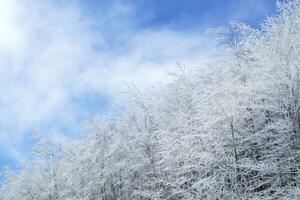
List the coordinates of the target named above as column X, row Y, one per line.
column 230, row 130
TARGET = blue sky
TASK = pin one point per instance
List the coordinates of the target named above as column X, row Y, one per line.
column 64, row 63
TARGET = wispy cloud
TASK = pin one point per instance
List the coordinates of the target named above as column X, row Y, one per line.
column 51, row 54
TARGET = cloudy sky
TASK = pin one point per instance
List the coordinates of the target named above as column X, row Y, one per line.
column 63, row 62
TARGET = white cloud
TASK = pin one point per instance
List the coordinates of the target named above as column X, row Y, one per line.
column 56, row 53
column 10, row 36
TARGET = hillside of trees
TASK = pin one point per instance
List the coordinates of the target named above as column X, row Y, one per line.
column 227, row 131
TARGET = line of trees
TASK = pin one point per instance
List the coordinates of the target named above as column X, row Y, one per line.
column 223, row 132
